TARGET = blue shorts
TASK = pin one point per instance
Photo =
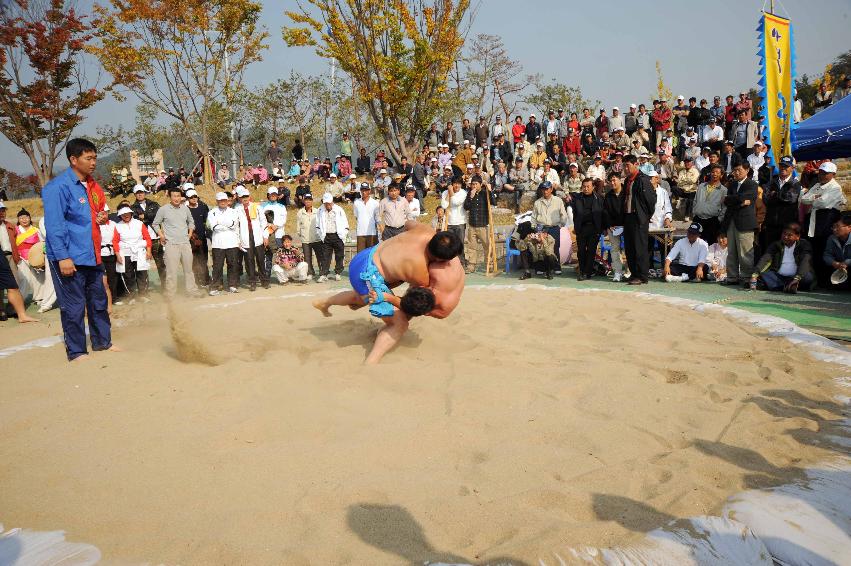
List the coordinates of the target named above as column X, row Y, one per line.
column 357, row 266
column 361, row 269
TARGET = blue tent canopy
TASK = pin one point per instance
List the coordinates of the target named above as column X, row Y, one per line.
column 826, row 135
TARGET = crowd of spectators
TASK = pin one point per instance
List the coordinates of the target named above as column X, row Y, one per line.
column 611, row 179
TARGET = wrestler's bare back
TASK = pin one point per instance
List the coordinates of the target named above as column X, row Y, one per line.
column 397, row 264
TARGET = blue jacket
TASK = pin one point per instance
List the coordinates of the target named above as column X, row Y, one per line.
column 68, row 220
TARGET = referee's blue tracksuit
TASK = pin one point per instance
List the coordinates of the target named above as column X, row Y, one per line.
column 70, row 229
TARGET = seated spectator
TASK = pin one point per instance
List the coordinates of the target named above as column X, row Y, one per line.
column 223, row 176
column 537, row 250
column 837, row 252
column 663, row 214
column 288, row 263
column 335, row 188
column 382, row 181
column 315, row 169
column 687, row 259
column 597, row 170
column 362, row 166
column 787, row 263
column 352, row 188
column 502, row 184
column 716, row 259
column 303, row 188
column 294, row 170
column 278, row 172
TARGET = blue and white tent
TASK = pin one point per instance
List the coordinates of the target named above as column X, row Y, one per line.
column 826, row 135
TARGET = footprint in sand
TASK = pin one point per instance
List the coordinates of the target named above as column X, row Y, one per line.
column 676, row 376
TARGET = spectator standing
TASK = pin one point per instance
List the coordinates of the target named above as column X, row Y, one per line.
column 709, row 204
column 332, row 227
column 468, row 132
column 308, row 234
column 200, row 250
column 366, row 218
column 452, row 200
column 781, row 202
column 744, row 134
column 393, row 212
column 533, row 130
column 132, row 248
column 252, row 239
column 175, row 226
column 740, row 224
column 482, row 133
column 588, row 225
column 616, row 121
column 7, row 278
column 223, row 224
column 478, row 234
column 518, row 130
column 72, row 201
column 661, row 120
column 346, row 149
column 450, row 135
column 273, row 153
column 613, row 208
column 639, row 205
column 827, row 201
column 146, row 210
column 297, row 150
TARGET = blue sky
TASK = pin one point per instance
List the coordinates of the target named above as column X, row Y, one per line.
column 609, row 49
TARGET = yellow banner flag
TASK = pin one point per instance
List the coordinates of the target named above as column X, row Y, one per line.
column 777, row 83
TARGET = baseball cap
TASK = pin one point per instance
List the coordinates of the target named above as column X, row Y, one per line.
column 786, row 161
column 271, row 191
column 466, row 142
column 188, row 187
column 140, row 189
column 757, row 142
column 616, row 108
column 828, row 167
column 242, row 192
column 545, row 185
column 681, row 97
column 327, row 197
column 573, row 164
column 695, row 227
column 307, row 196
column 353, row 176
column 531, row 115
column 191, row 193
column 124, row 210
column 469, row 166
column 383, row 172
column 364, row 186
column 221, row 196
column 633, row 105
column 652, row 173
column 333, row 175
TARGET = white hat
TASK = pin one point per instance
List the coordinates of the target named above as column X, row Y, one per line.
column 327, row 197
column 353, row 176
column 681, row 97
column 140, row 189
column 466, row 142
column 2, row 204
column 221, row 196
column 756, row 143
column 188, row 187
column 572, row 164
column 652, row 173
column 448, row 167
column 532, row 116
column 333, row 175
column 191, row 193
column 242, row 192
column 828, row 167
column 619, row 129
column 271, row 191
column 540, row 144
column 124, row 210
column 520, row 144
column 633, row 105
column 433, row 159
column 616, row 108
column 469, row 166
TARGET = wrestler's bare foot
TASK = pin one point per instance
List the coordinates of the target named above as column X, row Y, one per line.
column 322, row 306
column 25, row 318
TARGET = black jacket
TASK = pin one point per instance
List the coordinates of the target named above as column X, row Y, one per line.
column 477, row 208
column 733, row 157
column 199, row 215
column 588, row 213
column 147, row 216
column 772, row 259
column 613, row 207
column 503, row 152
column 743, row 216
column 781, row 205
column 533, row 131
column 469, row 134
column 643, row 197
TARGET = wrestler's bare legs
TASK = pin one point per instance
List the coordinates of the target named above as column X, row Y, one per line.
column 394, row 328
column 349, row 299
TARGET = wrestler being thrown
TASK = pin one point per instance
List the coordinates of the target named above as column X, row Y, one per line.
column 426, row 260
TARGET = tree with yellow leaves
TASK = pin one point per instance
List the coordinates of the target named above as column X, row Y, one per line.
column 662, row 91
column 184, row 58
column 397, row 52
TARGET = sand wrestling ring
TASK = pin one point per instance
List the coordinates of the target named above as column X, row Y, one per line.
column 533, row 427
